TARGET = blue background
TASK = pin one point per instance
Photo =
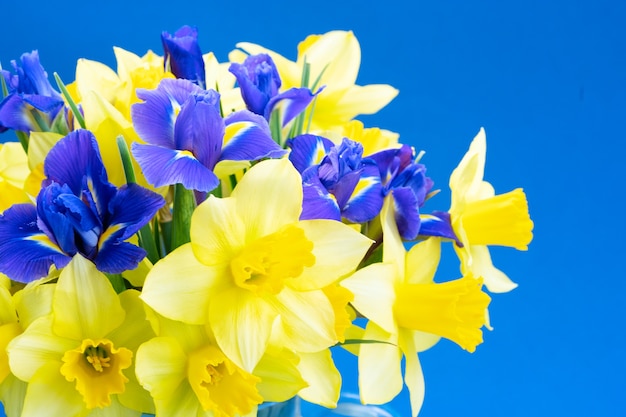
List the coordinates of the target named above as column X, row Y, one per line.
column 547, row 80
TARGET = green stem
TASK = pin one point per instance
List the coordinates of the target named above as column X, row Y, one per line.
column 70, row 101
column 117, row 282
column 184, row 205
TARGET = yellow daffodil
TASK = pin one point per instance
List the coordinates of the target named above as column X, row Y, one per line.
column 253, row 269
column 408, row 313
column 220, row 79
column 334, row 58
column 480, row 218
column 80, row 356
column 13, row 173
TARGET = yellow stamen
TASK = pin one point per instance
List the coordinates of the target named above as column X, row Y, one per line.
column 500, row 220
column 96, row 366
column 454, row 310
column 263, row 265
column 219, row 385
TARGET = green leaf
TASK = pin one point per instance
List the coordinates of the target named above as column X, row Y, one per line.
column 117, row 281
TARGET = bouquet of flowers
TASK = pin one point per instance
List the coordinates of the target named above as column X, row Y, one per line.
column 185, row 237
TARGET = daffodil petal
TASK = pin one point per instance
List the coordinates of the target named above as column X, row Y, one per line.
column 470, row 171
column 495, row 280
column 94, row 75
column 393, row 249
column 319, row 370
column 338, row 250
column 280, row 376
column 307, row 320
column 266, row 204
column 241, row 323
column 161, row 367
column 85, row 304
column 349, row 103
column 50, row 395
column 422, row 261
column 135, row 329
column 12, row 393
column 216, row 231
column 36, row 347
column 374, row 294
column 181, row 274
column 380, row 377
column 413, row 376
column 33, row 302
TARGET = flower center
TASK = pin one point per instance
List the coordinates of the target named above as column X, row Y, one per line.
column 220, row 385
column 454, row 309
column 500, row 220
column 97, row 366
column 265, row 264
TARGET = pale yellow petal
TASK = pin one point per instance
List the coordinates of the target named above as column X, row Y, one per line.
column 380, row 377
column 374, row 293
column 319, row 370
column 338, row 250
column 12, row 393
column 85, row 304
column 50, row 395
column 13, row 164
column 178, row 286
column 307, row 320
column 95, row 76
column 422, row 261
column 393, row 248
column 39, row 144
column 495, row 280
column 241, row 323
column 280, row 376
column 36, row 347
column 136, row 328
column 268, row 197
column 217, row 232
column 115, row 409
column 161, row 367
column 337, row 53
column 7, row 308
column 468, row 175
column 33, row 302
column 137, row 276
column 413, row 376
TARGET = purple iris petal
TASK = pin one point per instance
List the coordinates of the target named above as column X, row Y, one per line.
column 155, row 117
column 317, row 202
column 258, row 80
column 308, row 150
column 366, row 199
column 30, row 95
column 78, row 211
column 25, row 252
column 290, row 103
column 406, row 180
column 200, row 128
column 438, row 224
column 163, row 166
column 406, row 212
column 249, row 138
column 183, row 55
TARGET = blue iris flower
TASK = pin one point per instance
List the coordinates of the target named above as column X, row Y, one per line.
column 78, row 212
column 260, row 82
column 32, row 104
column 186, row 135
column 406, row 181
column 183, row 56
column 337, row 181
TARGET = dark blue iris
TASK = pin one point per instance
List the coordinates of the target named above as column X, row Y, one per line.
column 32, row 104
column 78, row 212
column 183, row 56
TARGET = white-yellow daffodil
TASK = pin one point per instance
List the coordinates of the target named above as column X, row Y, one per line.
column 408, row 313
column 481, row 218
column 13, row 173
column 253, row 269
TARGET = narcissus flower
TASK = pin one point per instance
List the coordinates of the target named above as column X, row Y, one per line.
column 73, row 366
column 480, row 218
column 254, row 270
column 408, row 313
